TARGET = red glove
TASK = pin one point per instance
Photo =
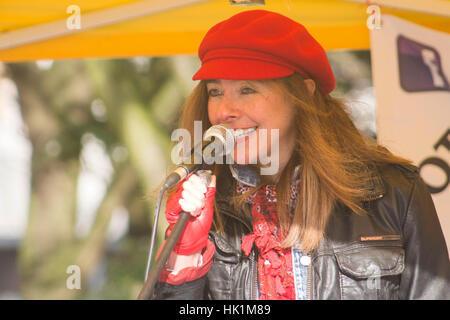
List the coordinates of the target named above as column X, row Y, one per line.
column 192, row 197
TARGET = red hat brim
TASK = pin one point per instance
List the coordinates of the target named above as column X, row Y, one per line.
column 240, row 69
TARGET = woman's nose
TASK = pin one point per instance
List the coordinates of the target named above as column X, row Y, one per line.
column 227, row 110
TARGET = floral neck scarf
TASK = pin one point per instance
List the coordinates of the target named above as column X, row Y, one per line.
column 276, row 277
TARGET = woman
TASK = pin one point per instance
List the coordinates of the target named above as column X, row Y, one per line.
column 341, row 218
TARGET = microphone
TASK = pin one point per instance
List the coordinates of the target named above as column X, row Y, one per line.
column 218, row 138
column 223, row 142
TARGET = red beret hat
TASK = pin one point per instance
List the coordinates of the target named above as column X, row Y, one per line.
column 259, row 44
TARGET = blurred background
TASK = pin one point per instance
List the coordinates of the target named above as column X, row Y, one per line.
column 83, row 146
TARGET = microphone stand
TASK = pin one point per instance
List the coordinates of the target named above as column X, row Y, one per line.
column 147, row 290
column 149, row 285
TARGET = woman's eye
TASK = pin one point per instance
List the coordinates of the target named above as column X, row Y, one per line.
column 247, row 90
column 213, row 92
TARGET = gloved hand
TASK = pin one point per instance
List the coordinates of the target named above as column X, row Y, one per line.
column 193, row 197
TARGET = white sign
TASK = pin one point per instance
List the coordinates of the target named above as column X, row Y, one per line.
column 411, row 73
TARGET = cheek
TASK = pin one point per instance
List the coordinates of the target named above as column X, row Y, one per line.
column 284, row 116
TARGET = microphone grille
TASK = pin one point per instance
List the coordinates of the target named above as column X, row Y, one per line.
column 224, row 134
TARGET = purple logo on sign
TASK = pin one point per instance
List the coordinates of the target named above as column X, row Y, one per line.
column 420, row 67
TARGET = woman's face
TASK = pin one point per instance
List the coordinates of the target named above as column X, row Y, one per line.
column 260, row 108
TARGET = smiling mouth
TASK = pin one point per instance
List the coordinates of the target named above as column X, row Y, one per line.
column 239, row 133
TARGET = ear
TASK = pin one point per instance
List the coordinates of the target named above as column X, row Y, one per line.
column 311, row 85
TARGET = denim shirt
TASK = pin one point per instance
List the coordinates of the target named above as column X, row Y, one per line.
column 300, row 263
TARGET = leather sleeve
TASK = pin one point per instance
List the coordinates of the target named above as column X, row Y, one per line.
column 192, row 290
column 189, row 283
column 427, row 266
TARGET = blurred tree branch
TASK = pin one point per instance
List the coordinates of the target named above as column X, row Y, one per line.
column 142, row 105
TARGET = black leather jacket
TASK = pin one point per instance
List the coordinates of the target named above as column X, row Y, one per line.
column 397, row 251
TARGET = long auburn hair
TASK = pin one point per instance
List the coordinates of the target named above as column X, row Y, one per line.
column 337, row 162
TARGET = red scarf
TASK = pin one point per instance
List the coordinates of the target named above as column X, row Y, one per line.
column 276, row 277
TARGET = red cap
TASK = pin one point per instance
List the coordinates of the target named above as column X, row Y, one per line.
column 259, row 44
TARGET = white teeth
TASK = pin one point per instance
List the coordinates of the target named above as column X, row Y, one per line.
column 243, row 132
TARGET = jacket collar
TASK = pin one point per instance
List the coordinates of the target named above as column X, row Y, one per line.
column 376, row 187
column 250, row 177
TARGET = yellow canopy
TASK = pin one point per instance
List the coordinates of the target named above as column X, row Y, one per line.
column 31, row 30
